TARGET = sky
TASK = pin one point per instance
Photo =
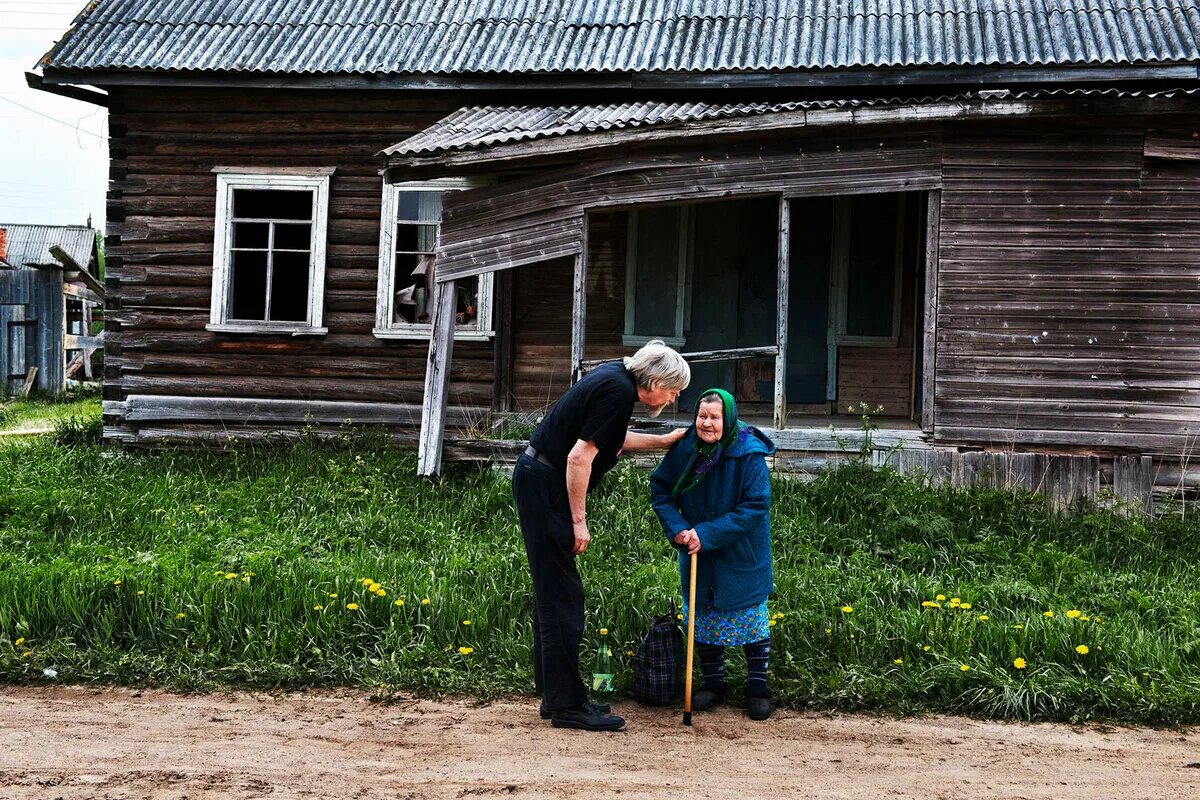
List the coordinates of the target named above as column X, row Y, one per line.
column 53, row 150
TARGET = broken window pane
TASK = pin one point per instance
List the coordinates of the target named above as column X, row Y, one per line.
column 248, row 285
column 273, row 204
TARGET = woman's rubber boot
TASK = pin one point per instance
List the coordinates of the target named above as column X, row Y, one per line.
column 706, row 699
column 758, row 706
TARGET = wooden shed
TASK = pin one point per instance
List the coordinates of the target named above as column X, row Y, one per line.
column 974, row 218
column 48, row 292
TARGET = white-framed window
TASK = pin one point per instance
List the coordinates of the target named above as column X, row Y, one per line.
column 867, row 268
column 658, row 264
column 269, row 251
column 408, row 237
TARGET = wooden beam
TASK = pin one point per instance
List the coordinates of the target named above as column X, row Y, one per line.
column 83, row 293
column 64, row 258
column 783, row 271
column 27, row 387
column 502, row 322
column 933, row 218
column 579, row 308
column 437, row 382
column 72, row 341
column 733, row 354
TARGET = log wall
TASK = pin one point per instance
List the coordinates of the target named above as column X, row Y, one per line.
column 162, row 199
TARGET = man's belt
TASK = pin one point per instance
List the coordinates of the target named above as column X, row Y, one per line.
column 532, row 452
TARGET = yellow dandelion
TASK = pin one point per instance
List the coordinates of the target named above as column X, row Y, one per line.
column 847, row 609
column 1048, row 614
column 400, row 602
column 424, row 601
column 466, row 622
column 1082, row 649
column 927, row 648
column 955, row 604
column 318, row 607
column 373, row 587
column 954, row 601
column 1083, row 619
column 1018, row 627
column 1019, row 663
column 245, row 579
column 466, row 651
column 19, row 642
column 381, row 593
column 366, row 581
column 930, row 604
column 629, row 652
column 1074, row 613
column 141, row 593
column 27, row 654
column 230, row 576
column 679, row 616
column 779, row 615
column 333, row 595
column 898, row 661
column 771, row 623
column 964, row 667
column 829, row 630
column 965, row 606
column 352, row 606
column 180, row 615
column 984, row 617
column 219, row 573
column 940, row 597
column 117, row 582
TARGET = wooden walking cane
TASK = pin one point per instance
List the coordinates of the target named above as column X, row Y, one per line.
column 687, row 688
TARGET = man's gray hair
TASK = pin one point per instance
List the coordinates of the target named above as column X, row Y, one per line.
column 657, row 363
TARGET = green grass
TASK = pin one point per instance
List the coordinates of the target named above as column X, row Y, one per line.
column 100, row 552
column 46, row 413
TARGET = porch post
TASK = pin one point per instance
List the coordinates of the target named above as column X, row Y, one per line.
column 933, row 219
column 437, row 382
column 781, row 312
column 579, row 307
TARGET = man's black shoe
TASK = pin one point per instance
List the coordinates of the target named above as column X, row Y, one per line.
column 586, row 718
column 706, row 699
column 758, row 708
column 599, row 708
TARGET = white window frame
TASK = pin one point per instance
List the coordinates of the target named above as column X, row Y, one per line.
column 315, row 180
column 385, row 326
column 683, row 291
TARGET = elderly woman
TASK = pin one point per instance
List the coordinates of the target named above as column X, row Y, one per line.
column 712, row 494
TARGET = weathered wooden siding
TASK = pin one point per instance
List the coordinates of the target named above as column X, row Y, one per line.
column 161, row 214
column 1068, row 291
column 32, row 295
column 509, row 224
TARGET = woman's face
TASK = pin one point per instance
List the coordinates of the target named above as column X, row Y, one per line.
column 710, row 421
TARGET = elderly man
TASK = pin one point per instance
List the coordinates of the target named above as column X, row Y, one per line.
column 577, row 442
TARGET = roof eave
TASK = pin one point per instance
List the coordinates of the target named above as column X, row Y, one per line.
column 975, row 76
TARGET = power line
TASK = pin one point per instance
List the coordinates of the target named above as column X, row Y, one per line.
column 74, row 126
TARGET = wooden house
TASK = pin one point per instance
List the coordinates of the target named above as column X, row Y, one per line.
column 48, row 292
column 975, row 218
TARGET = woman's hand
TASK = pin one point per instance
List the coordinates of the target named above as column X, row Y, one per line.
column 689, row 539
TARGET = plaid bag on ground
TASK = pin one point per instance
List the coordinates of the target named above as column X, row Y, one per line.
column 658, row 663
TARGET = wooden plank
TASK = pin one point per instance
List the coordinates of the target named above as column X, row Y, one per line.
column 933, row 211
column 83, row 293
column 783, row 277
column 1133, row 484
column 144, row 408
column 74, row 342
column 27, row 386
column 579, row 308
column 732, row 354
column 437, row 383
column 502, row 384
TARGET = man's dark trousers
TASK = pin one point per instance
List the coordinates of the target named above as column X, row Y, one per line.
column 545, row 513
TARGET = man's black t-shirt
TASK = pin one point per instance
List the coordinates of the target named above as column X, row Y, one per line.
column 597, row 410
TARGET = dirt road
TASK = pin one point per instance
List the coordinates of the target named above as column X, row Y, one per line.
column 73, row 742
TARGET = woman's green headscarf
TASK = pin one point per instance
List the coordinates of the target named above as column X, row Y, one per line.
column 706, row 456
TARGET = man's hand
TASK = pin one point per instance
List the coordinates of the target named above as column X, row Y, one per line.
column 689, row 539
column 582, row 537
column 671, row 438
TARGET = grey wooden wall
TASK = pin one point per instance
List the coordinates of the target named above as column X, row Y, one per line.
column 31, row 328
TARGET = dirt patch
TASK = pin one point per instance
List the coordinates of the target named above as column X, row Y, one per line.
column 72, row 742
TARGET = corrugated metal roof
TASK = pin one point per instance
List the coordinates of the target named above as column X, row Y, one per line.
column 486, row 126
column 29, row 245
column 589, row 36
